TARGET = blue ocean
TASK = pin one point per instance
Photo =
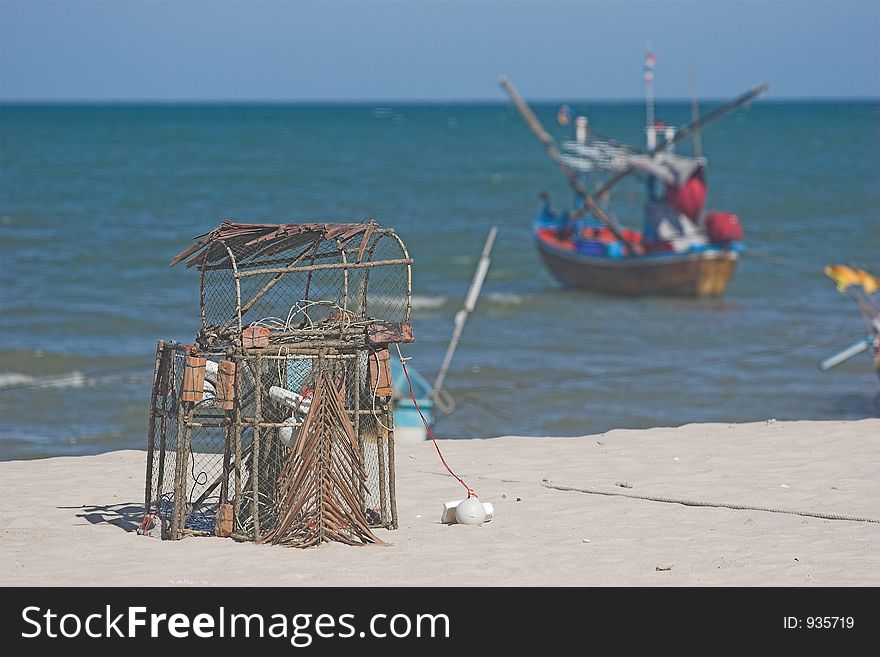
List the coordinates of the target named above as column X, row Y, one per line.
column 95, row 199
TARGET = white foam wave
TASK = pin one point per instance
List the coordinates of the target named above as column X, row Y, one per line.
column 9, row 379
column 505, row 298
column 73, row 379
column 426, row 303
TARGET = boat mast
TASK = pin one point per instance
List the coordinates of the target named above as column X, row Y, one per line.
column 695, row 110
column 651, row 128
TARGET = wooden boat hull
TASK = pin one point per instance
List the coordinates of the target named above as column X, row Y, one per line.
column 694, row 274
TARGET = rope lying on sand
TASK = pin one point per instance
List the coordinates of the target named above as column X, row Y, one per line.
column 546, row 483
column 741, row 507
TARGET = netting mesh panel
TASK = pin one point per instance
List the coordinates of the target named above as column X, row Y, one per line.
column 387, row 289
column 264, row 458
column 219, row 296
column 376, row 437
column 204, row 472
column 318, row 290
column 187, row 482
column 197, row 435
column 165, row 416
column 377, row 498
column 265, row 449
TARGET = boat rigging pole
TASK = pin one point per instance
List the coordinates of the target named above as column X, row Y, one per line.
column 462, row 315
column 692, row 128
column 695, row 110
column 590, row 201
column 686, row 131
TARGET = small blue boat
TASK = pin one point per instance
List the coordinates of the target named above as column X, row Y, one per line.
column 410, row 406
column 408, row 425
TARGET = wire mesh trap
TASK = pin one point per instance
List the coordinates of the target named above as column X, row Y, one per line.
column 276, row 425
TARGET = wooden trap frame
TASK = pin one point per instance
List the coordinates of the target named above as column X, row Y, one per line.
column 276, row 425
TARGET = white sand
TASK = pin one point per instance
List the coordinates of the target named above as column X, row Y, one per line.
column 70, row 521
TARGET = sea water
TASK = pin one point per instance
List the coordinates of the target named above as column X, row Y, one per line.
column 96, row 199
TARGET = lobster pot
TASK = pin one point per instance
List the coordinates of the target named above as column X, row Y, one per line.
column 276, row 425
column 202, row 458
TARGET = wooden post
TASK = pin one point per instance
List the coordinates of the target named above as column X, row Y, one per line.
column 359, row 397
column 184, row 509
column 151, row 429
column 227, row 457
column 381, row 455
column 311, row 271
column 344, row 281
column 255, row 456
column 392, row 490
column 237, row 429
column 226, row 386
column 237, row 501
column 164, row 385
column 179, row 469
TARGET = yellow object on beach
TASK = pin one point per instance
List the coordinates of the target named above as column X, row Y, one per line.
column 869, row 283
column 845, row 277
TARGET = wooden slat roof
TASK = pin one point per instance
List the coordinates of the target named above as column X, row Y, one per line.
column 263, row 240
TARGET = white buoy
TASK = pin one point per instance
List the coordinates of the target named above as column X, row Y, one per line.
column 448, row 515
column 208, row 390
column 470, row 512
column 286, row 434
column 290, row 399
column 211, row 368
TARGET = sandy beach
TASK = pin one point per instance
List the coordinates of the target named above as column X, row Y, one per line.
column 71, row 521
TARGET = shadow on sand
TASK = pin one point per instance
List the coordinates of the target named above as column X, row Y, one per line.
column 127, row 516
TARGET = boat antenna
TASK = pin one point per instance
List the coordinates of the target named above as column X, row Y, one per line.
column 650, row 128
column 462, row 315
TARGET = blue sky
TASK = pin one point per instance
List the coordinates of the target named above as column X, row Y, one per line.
column 424, row 50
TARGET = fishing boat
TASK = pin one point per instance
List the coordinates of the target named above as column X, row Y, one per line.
column 680, row 252
column 703, row 272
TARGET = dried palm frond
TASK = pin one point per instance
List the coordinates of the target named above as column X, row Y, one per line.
column 320, row 487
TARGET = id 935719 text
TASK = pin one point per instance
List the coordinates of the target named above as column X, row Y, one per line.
column 819, row 623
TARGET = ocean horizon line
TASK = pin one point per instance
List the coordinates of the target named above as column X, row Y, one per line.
column 411, row 101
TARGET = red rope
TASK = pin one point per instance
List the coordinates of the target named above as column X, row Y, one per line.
column 470, row 492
